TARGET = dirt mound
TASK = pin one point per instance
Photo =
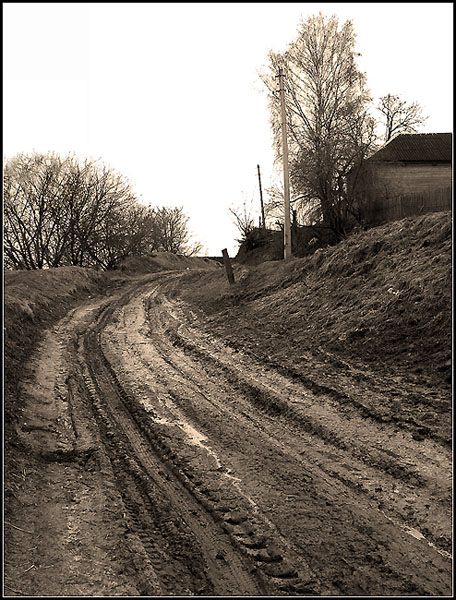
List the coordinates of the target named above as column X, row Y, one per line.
column 382, row 297
column 164, row 261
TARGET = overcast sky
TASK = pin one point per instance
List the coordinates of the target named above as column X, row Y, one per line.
column 169, row 95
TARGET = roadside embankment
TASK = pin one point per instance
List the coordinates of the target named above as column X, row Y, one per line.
column 382, row 297
column 34, row 301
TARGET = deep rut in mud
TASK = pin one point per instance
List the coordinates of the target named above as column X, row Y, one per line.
column 228, row 477
column 162, row 511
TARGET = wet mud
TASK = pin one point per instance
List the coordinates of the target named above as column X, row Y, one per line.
column 160, row 460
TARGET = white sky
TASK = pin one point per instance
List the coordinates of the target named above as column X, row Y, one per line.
column 168, row 93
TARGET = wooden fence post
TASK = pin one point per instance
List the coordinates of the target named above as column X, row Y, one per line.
column 228, row 267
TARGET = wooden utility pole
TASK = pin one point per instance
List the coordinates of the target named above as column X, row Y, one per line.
column 261, row 199
column 286, row 184
column 228, row 267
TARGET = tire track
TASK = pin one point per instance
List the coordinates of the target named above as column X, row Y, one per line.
column 386, row 457
column 225, row 571
column 154, row 385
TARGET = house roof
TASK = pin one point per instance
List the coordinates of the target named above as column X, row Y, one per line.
column 414, row 147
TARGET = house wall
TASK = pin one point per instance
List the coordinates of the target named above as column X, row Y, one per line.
column 407, row 205
column 396, row 190
column 393, row 179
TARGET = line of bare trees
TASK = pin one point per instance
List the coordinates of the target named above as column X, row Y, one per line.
column 60, row 211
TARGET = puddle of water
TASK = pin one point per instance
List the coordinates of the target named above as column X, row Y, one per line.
column 162, row 421
column 196, row 438
column 419, row 536
column 414, row 533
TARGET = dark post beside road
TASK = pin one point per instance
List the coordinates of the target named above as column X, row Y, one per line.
column 228, row 267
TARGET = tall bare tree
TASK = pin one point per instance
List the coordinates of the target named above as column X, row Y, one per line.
column 400, row 116
column 327, row 111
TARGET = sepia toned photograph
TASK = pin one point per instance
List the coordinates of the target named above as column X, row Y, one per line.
column 227, row 301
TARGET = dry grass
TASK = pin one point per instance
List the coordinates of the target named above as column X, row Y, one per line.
column 34, row 300
column 164, row 261
column 383, row 296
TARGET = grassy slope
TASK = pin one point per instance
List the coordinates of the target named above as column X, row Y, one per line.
column 163, row 261
column 383, row 296
column 33, row 301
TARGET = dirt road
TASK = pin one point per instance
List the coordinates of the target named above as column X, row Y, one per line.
column 162, row 462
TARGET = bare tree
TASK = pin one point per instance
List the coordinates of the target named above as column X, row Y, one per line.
column 273, row 205
column 243, row 219
column 305, row 211
column 58, row 211
column 103, row 226
column 33, row 211
column 399, row 116
column 327, row 110
column 170, row 232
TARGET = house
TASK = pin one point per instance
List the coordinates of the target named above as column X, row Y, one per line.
column 414, row 162
column 411, row 174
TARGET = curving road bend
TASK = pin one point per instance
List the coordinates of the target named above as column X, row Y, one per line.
column 217, row 475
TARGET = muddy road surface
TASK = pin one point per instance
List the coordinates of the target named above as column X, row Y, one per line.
column 161, row 462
